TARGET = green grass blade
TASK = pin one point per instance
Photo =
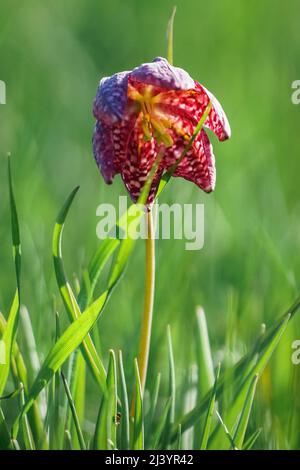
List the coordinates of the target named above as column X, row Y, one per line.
column 74, row 413
column 262, row 350
column 105, row 433
column 13, row 394
column 252, row 439
column 88, row 349
column 236, row 406
column 29, row 343
column 10, row 332
column 125, row 423
column 20, row 375
column 179, row 438
column 226, row 432
column 172, row 378
column 204, row 358
column 241, row 429
column 18, row 366
column 205, row 368
column 155, row 398
column 95, row 268
column 78, row 392
column 5, row 442
column 27, row 434
column 53, row 421
column 170, row 41
column 113, row 397
column 161, row 426
column 171, row 392
column 62, row 349
column 68, row 440
column 7, row 342
column 209, row 416
column 14, row 229
column 138, row 425
column 79, row 329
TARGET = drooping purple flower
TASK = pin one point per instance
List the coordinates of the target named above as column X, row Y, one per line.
column 154, row 108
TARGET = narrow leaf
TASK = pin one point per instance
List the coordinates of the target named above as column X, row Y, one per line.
column 74, row 413
column 105, row 433
column 252, row 439
column 211, row 406
column 245, row 414
column 138, row 431
column 170, row 36
column 125, row 424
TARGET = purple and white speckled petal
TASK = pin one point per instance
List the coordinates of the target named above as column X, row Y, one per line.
column 104, row 151
column 111, row 98
column 161, row 74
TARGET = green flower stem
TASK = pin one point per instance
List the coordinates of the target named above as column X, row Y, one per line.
column 146, row 328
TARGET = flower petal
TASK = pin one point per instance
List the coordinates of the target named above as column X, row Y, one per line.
column 217, row 120
column 111, row 99
column 191, row 104
column 141, row 155
column 104, row 151
column 110, row 143
column 198, row 166
column 160, row 73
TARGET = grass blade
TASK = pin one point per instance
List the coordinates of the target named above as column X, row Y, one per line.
column 79, row 329
column 241, row 429
column 88, row 349
column 236, row 406
column 172, row 394
column 95, row 268
column 208, row 420
column 10, row 332
column 74, row 413
column 7, row 342
column 78, row 392
column 204, row 358
column 226, row 431
column 27, row 434
column 179, row 438
column 125, row 423
column 105, row 433
column 68, row 440
column 252, row 439
column 138, row 425
column 64, row 346
column 14, row 229
column 170, row 36
column 5, row 442
column 19, row 373
column 262, row 350
column 205, row 380
column 155, row 398
column 161, row 426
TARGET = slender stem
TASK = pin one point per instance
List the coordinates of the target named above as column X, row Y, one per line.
column 146, row 327
column 148, row 301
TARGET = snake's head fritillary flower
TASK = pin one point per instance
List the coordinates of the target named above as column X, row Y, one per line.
column 155, row 108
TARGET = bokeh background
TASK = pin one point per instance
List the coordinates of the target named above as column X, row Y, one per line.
column 52, row 55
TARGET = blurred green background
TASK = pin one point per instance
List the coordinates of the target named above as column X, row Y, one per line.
column 52, row 55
